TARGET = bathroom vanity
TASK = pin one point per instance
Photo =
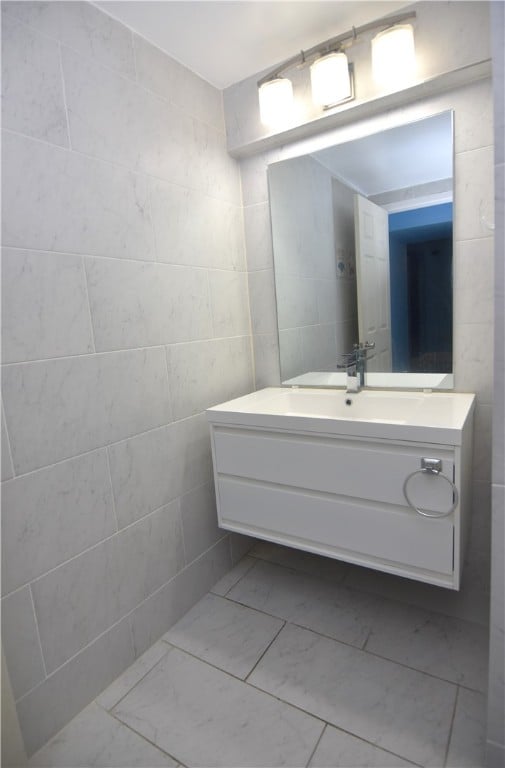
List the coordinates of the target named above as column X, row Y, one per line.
column 378, row 478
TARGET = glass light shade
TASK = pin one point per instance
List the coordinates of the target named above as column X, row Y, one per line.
column 394, row 56
column 330, row 79
column 276, row 102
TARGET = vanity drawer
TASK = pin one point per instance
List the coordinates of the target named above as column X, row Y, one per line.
column 336, row 526
column 357, row 469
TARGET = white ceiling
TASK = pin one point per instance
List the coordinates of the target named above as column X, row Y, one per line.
column 226, row 41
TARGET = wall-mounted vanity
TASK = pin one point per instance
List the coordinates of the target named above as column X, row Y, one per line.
column 342, row 475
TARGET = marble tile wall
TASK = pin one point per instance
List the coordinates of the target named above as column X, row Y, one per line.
column 125, row 315
column 473, row 286
column 496, row 690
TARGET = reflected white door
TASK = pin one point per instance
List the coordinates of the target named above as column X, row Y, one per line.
column 372, row 274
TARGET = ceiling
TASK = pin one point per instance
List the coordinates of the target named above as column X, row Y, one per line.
column 226, row 41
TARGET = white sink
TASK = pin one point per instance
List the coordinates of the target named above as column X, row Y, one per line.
column 434, row 416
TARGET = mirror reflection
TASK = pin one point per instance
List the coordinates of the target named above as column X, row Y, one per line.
column 362, row 237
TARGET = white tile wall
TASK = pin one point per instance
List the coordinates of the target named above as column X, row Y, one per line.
column 125, row 314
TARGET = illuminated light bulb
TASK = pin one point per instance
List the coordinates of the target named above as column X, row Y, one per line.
column 330, row 80
column 276, row 102
column 394, row 57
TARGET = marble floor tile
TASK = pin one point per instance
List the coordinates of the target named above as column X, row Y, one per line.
column 204, row 717
column 225, row 634
column 395, row 708
column 466, row 749
column 94, row 738
column 125, row 682
column 299, row 560
column 339, row 748
column 443, row 646
column 331, row 609
column 228, row 581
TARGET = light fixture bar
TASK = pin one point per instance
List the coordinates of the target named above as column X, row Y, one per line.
column 304, row 56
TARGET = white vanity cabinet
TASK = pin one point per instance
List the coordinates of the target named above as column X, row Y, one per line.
column 293, row 469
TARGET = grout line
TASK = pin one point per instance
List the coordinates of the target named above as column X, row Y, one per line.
column 239, row 579
column 204, row 192
column 127, row 259
column 9, row 449
column 38, row 634
column 111, row 489
column 449, row 735
column 351, row 645
column 88, row 303
column 64, row 92
column 316, row 745
column 274, row 638
column 142, row 736
column 126, row 350
column 138, row 681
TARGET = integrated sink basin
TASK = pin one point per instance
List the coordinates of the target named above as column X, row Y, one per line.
column 428, row 416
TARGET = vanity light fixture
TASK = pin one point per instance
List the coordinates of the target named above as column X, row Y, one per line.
column 276, row 102
column 394, row 56
column 330, row 78
column 331, row 73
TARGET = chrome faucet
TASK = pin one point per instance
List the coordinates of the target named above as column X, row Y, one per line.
column 355, row 364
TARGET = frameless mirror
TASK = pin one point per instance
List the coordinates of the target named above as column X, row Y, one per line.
column 362, row 239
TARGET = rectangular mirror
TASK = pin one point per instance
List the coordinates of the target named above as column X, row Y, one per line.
column 362, row 240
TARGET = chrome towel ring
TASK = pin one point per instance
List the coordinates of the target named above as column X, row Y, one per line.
column 431, row 467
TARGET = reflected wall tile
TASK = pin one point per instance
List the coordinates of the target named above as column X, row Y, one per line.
column 296, row 301
column 205, row 373
column 319, row 348
column 166, row 606
column 163, row 75
column 290, row 351
column 142, row 305
column 201, row 230
column 32, row 88
column 61, row 408
column 199, row 521
column 52, row 515
column 7, row 468
column 229, row 300
column 20, row 642
column 262, row 298
column 258, row 236
column 105, row 207
column 472, row 352
column 473, row 281
column 45, row 310
column 474, row 216
column 266, row 361
column 51, row 705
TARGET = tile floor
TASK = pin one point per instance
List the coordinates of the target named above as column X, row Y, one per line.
column 284, row 664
